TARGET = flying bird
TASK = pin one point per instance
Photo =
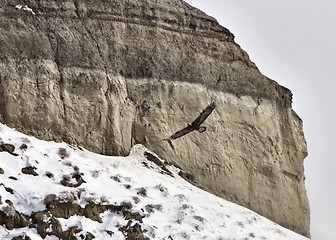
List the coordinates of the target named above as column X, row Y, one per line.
column 195, row 125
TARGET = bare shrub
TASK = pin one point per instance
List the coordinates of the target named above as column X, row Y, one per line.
column 63, row 153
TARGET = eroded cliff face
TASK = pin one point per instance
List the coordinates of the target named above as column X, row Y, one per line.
column 109, row 74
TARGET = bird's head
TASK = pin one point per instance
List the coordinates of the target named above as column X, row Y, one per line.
column 202, row 129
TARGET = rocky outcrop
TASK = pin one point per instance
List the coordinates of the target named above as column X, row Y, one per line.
column 109, row 74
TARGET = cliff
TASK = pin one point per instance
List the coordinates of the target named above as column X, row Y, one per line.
column 106, row 75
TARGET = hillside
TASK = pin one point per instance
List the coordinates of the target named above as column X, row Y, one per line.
column 50, row 190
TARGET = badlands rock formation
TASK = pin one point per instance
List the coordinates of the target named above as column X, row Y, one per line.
column 107, row 74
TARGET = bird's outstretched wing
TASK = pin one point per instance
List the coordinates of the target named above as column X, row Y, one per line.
column 204, row 115
column 195, row 124
column 182, row 132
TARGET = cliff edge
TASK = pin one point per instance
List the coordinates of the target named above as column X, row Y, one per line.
column 109, row 74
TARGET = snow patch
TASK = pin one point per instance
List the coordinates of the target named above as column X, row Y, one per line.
column 25, row 8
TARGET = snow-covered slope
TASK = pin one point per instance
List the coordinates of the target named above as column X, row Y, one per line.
column 52, row 190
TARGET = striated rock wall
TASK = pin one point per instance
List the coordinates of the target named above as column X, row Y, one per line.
column 109, row 74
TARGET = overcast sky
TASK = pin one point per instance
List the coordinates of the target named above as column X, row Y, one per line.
column 294, row 43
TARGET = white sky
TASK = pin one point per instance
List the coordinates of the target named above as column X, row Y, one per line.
column 293, row 42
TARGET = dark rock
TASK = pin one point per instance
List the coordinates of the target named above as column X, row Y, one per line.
column 132, row 215
column 9, row 202
column 39, row 219
column 10, row 190
column 29, row 171
column 21, row 237
column 49, row 175
column 157, row 161
column 133, row 232
column 187, row 176
column 64, row 210
column 23, row 146
column 116, row 178
column 12, row 219
column 77, row 176
column 70, row 233
column 89, row 236
column 8, row 148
